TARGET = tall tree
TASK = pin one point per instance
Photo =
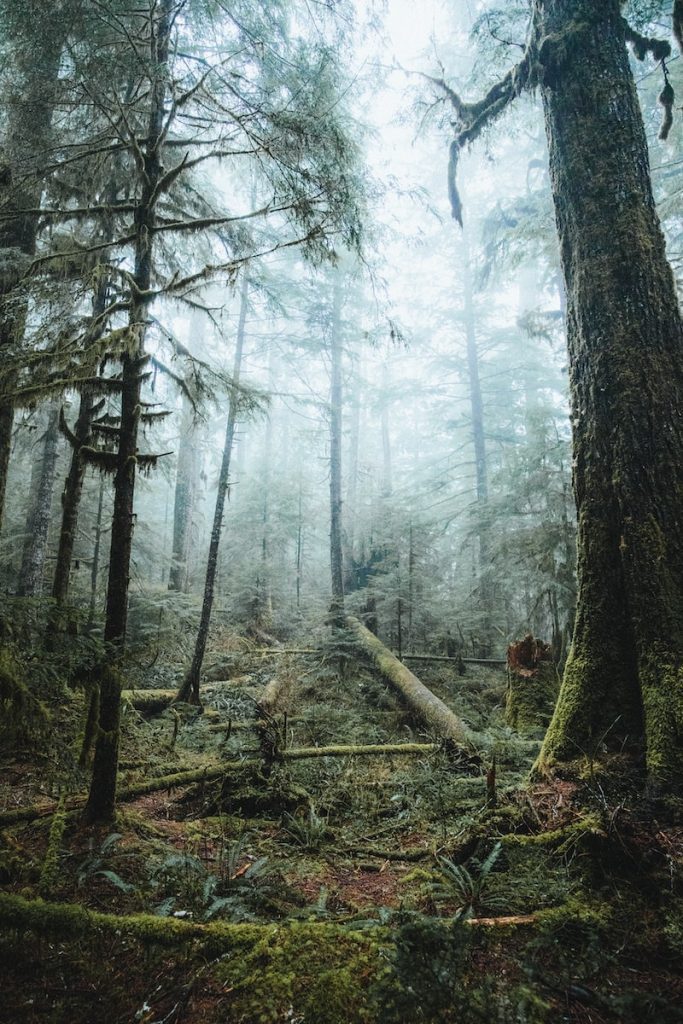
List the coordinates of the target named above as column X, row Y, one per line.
column 40, row 504
column 623, row 682
column 335, row 349
column 189, row 690
column 31, row 69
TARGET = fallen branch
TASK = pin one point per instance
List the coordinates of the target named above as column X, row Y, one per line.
column 299, row 753
column 442, row 657
column 426, row 706
column 62, row 922
column 210, row 774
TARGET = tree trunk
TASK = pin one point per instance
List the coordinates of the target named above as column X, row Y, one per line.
column 623, row 682
column 387, row 485
column 38, row 521
column 183, row 502
column 95, row 567
column 189, row 691
column 336, row 559
column 349, row 535
column 71, row 499
column 481, row 466
column 28, row 110
column 102, row 795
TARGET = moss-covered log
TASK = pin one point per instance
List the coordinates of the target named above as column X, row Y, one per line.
column 425, row 705
column 148, row 701
column 68, row 921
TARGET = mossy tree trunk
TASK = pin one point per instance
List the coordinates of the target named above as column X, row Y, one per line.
column 38, row 519
column 27, row 106
column 623, row 682
column 102, row 795
column 336, row 555
column 71, row 499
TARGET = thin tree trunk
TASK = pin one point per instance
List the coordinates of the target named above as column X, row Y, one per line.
column 189, row 691
column 71, row 499
column 387, row 485
column 102, row 795
column 299, row 547
column 183, row 502
column 352, row 484
column 336, row 560
column 481, row 465
column 95, row 567
column 38, row 521
column 623, row 682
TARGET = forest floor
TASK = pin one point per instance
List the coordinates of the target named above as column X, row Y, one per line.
column 351, row 889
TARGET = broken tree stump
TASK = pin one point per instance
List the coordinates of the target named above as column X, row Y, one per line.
column 533, row 684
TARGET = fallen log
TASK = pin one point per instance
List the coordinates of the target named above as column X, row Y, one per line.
column 62, row 922
column 210, row 774
column 370, row 750
column 148, row 701
column 424, row 704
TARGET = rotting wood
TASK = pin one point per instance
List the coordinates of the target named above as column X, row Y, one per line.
column 426, row 706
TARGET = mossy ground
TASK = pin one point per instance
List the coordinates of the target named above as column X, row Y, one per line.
column 351, row 879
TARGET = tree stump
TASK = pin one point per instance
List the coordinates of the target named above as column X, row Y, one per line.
column 533, row 684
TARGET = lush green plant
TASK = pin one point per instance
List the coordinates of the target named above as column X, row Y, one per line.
column 308, row 831
column 468, row 888
column 94, row 864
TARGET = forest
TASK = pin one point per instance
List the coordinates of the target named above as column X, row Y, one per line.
column 341, row 511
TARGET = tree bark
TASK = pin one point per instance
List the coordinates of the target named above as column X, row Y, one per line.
column 336, row 558
column 38, row 521
column 28, row 108
column 183, row 501
column 95, row 567
column 481, row 465
column 623, row 682
column 102, row 796
column 189, row 691
column 71, row 499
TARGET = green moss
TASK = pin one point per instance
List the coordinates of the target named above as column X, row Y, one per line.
column 317, row 973
column 562, row 839
column 662, row 690
column 530, row 699
column 24, row 718
column 49, row 874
